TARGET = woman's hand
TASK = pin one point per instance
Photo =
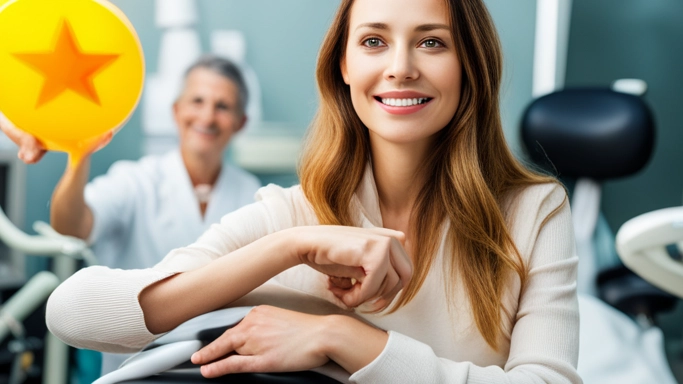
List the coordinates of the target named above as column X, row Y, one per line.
column 31, row 150
column 271, row 339
column 268, row 339
column 366, row 266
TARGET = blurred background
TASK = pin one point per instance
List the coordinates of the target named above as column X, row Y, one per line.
column 606, row 40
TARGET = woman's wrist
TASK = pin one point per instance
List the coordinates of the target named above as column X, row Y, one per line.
column 351, row 343
column 294, row 241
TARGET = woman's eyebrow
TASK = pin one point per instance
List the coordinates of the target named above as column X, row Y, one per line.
column 431, row 27
column 419, row 28
column 372, row 26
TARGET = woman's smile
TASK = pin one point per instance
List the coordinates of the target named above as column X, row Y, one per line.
column 402, row 102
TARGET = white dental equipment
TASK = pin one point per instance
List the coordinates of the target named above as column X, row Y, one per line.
column 66, row 250
column 24, row 302
column 648, row 245
column 175, row 347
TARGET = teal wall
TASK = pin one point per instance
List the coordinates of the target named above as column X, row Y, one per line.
column 283, row 40
column 612, row 39
column 516, row 23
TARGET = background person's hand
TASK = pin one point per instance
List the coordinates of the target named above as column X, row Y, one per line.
column 31, row 150
column 367, row 266
column 101, row 142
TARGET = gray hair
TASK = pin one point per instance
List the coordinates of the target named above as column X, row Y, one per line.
column 228, row 70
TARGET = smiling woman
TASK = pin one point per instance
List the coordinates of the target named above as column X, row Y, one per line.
column 450, row 262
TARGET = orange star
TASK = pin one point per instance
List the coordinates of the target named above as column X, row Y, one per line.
column 67, row 67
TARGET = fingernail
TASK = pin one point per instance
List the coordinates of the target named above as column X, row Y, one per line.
column 195, row 356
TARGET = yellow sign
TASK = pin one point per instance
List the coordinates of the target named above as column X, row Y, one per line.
column 70, row 71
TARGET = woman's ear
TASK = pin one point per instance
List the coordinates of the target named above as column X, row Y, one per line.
column 345, row 74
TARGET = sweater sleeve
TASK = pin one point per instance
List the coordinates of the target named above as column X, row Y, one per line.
column 97, row 308
column 544, row 341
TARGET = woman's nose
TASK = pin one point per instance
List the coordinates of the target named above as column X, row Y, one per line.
column 402, row 65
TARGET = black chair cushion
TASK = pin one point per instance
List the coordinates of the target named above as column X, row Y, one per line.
column 629, row 293
column 595, row 133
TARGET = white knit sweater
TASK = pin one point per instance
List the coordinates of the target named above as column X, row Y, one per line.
column 430, row 340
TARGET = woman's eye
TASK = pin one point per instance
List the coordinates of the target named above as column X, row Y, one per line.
column 432, row 43
column 373, row 42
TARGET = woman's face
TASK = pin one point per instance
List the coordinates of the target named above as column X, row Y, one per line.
column 402, row 68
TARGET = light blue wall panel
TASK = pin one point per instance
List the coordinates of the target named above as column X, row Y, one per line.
column 515, row 21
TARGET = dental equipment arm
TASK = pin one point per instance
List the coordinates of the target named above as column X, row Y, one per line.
column 35, row 292
column 644, row 245
column 17, row 239
column 25, row 301
column 49, row 242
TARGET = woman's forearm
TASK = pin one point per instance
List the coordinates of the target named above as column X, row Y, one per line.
column 172, row 301
column 351, row 343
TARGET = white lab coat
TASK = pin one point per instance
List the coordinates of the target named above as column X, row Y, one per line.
column 144, row 209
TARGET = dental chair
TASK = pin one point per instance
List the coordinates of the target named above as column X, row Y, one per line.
column 585, row 137
column 166, row 360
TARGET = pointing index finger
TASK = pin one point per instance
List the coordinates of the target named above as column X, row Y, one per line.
column 401, row 262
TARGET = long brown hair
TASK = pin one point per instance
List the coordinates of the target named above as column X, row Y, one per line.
column 469, row 172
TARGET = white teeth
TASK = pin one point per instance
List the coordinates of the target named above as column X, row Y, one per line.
column 404, row 102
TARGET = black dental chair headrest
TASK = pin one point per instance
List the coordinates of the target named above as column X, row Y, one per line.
column 595, row 133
